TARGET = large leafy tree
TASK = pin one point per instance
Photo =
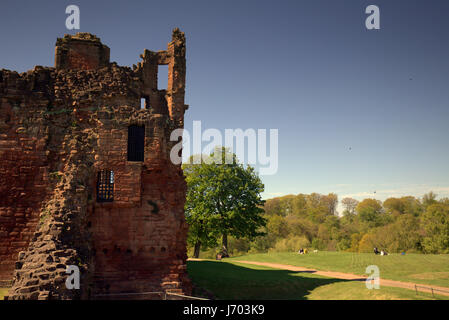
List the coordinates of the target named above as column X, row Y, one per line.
column 371, row 213
column 404, row 205
column 436, row 225
column 428, row 199
column 223, row 198
column 349, row 204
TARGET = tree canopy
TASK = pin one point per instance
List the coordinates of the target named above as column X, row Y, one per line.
column 402, row 224
column 222, row 199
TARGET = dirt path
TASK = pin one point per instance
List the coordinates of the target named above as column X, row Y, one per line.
column 353, row 277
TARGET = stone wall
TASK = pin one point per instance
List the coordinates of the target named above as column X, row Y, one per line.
column 83, row 51
column 24, row 183
column 59, row 127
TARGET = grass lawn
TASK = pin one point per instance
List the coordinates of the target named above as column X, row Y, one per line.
column 416, row 268
column 357, row 291
column 231, row 280
column 3, row 292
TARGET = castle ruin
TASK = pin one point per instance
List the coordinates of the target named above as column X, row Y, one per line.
column 86, row 177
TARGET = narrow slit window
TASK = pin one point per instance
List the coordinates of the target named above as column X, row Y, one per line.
column 145, row 103
column 105, row 186
column 162, row 77
column 136, row 143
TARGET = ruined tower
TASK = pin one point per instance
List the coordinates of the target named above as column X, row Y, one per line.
column 86, row 177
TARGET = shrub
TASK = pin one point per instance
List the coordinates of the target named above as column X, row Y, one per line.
column 291, row 244
column 238, row 246
column 344, row 244
column 367, row 243
column 318, row 244
column 331, row 245
column 262, row 244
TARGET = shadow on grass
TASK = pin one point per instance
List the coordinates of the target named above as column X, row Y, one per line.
column 230, row 281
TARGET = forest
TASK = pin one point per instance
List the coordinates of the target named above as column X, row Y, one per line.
column 397, row 225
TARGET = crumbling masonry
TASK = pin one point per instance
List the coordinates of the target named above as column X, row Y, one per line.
column 86, row 177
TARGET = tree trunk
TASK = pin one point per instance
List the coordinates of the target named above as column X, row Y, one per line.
column 196, row 252
column 224, row 244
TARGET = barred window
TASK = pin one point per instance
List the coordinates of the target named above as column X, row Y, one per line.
column 136, row 143
column 105, row 186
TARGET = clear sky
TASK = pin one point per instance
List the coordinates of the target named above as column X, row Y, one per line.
column 357, row 111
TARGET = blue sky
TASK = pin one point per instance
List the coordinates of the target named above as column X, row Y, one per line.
column 357, row 111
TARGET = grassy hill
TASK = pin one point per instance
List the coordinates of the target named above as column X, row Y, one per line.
column 416, row 268
column 232, row 280
column 229, row 279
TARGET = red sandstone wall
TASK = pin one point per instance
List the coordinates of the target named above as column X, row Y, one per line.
column 82, row 52
column 73, row 123
column 140, row 249
column 139, row 238
column 23, row 170
column 83, row 57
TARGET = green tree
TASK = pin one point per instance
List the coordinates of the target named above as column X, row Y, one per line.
column 404, row 234
column 277, row 226
column 225, row 197
column 394, row 206
column 355, row 239
column 318, row 207
column 287, row 204
column 202, row 232
column 349, row 204
column 370, row 212
column 367, row 243
column 428, row 199
column 300, row 205
column 404, row 205
column 330, row 202
column 344, row 243
column 273, row 206
column 435, row 222
column 301, row 227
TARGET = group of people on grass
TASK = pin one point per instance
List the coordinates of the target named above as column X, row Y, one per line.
column 381, row 252
column 305, row 251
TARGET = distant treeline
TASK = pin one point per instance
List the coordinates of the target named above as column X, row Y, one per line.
column 405, row 224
